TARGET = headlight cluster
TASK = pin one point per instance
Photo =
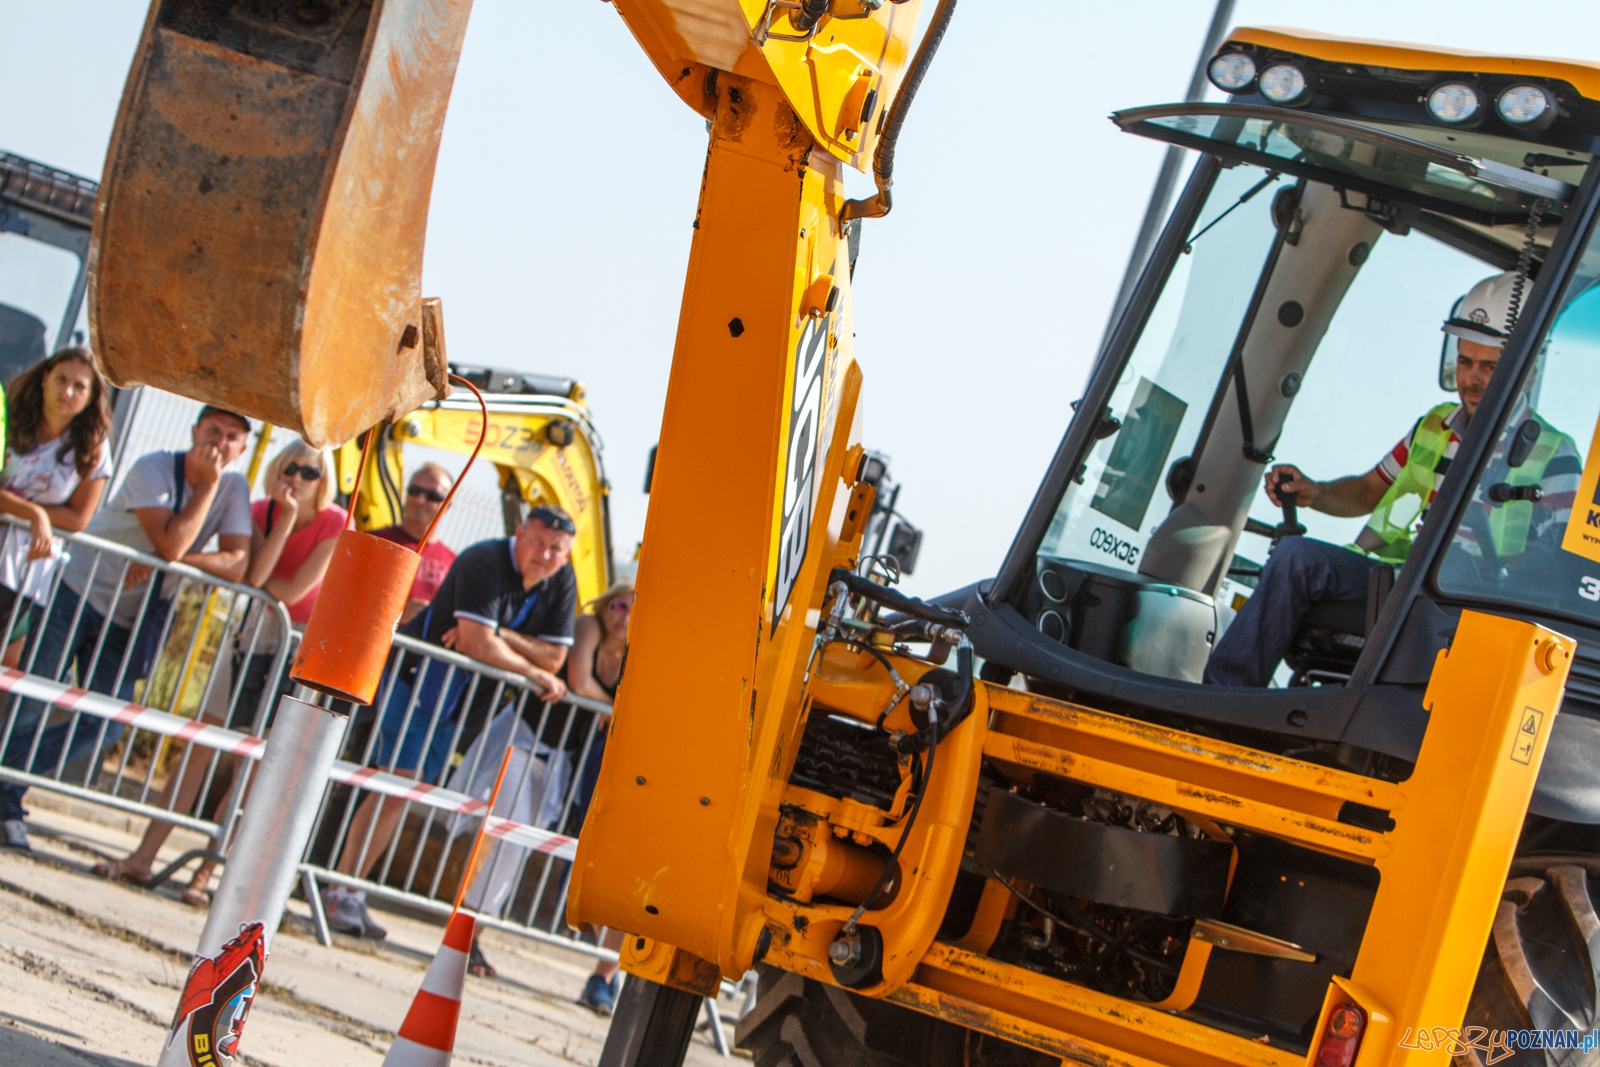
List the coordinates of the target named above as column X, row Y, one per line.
column 1527, row 106
column 1283, row 83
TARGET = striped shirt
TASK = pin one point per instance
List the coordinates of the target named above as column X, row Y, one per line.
column 1559, row 480
column 1390, row 466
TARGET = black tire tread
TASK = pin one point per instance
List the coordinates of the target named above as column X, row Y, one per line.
column 800, row 1022
column 1541, row 968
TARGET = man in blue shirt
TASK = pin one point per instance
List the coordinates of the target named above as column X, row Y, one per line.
column 508, row 603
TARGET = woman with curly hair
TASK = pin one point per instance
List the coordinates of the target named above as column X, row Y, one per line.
column 57, row 462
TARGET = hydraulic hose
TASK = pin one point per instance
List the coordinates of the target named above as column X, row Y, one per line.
column 876, row 207
column 957, row 706
column 896, row 601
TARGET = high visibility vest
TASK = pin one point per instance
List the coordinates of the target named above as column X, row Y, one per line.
column 1389, row 538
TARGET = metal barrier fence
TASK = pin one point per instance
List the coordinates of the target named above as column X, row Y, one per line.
column 124, row 623
column 449, row 720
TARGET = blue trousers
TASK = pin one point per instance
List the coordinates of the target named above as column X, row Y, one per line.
column 1300, row 572
column 62, row 647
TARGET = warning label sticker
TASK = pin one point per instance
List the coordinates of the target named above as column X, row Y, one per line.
column 1527, row 734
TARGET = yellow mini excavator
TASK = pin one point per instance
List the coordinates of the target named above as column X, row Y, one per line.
column 1015, row 825
column 541, row 441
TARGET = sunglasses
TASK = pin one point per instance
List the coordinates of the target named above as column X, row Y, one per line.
column 304, row 471
column 427, row 494
column 621, row 605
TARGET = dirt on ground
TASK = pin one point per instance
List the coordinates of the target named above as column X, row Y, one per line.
column 90, row 971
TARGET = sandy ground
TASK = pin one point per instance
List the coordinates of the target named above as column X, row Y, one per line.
column 90, row 972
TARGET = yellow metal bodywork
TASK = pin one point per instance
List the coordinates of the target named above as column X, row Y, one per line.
column 723, row 674
column 681, row 820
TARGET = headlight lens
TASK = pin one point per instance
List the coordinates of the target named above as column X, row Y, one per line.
column 1283, row 83
column 1524, row 105
column 1231, row 71
column 1454, row 102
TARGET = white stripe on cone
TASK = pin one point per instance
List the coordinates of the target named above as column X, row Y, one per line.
column 447, row 975
column 405, row 1053
column 207, row 735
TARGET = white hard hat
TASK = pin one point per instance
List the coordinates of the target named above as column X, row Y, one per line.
column 1485, row 314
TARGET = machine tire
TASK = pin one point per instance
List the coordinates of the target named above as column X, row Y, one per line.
column 651, row 1025
column 1541, row 968
column 799, row 1022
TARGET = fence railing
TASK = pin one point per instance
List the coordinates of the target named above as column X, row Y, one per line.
column 125, row 623
column 189, row 644
column 448, row 720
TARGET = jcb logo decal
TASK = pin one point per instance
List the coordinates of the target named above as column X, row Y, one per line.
column 800, row 469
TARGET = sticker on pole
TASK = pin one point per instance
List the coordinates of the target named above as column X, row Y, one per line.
column 216, row 999
column 1527, row 735
column 1582, row 536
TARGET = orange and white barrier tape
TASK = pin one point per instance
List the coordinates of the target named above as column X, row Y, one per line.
column 209, row 735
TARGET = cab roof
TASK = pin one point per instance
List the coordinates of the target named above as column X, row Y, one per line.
column 1580, row 74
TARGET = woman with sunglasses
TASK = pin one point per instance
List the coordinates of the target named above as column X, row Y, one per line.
column 291, row 544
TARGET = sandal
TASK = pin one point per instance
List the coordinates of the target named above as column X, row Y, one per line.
column 195, row 897
column 115, row 871
column 478, row 964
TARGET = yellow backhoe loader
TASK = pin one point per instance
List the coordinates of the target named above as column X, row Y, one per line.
column 1014, row 826
column 541, row 441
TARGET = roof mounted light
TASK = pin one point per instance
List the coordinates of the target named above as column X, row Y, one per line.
column 1232, row 72
column 1285, row 84
column 1527, row 107
column 1456, row 103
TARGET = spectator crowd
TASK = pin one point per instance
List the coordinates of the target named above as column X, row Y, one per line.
column 509, row 603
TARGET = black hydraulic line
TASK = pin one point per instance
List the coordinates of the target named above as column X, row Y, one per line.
column 896, row 601
column 876, row 207
column 959, row 705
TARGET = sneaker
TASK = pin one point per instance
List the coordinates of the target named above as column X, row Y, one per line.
column 598, row 995
column 17, row 835
column 347, row 914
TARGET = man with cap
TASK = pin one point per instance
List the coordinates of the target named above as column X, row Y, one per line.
column 508, row 603
column 171, row 505
column 1302, row 572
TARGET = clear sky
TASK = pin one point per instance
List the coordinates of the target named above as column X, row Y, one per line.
column 567, row 183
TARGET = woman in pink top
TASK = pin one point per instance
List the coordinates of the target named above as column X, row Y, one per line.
column 291, row 544
column 295, row 527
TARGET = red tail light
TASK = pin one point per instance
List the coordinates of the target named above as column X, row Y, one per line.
column 1342, row 1038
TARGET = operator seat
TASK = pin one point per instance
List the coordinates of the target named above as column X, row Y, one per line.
column 1335, row 631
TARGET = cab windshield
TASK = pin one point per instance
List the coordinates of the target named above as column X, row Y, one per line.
column 1529, row 537
column 1301, row 324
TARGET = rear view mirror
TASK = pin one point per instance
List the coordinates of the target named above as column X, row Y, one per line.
column 1447, row 355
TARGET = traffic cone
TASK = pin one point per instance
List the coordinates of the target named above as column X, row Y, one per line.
column 428, row 1036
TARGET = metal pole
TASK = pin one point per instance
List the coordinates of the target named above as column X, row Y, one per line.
column 255, row 887
column 1167, row 179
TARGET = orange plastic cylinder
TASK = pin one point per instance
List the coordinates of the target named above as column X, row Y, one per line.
column 352, row 625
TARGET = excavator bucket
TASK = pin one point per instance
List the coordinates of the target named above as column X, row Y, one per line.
column 258, row 237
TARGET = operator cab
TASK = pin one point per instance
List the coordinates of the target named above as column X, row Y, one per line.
column 1292, row 313
column 45, row 215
